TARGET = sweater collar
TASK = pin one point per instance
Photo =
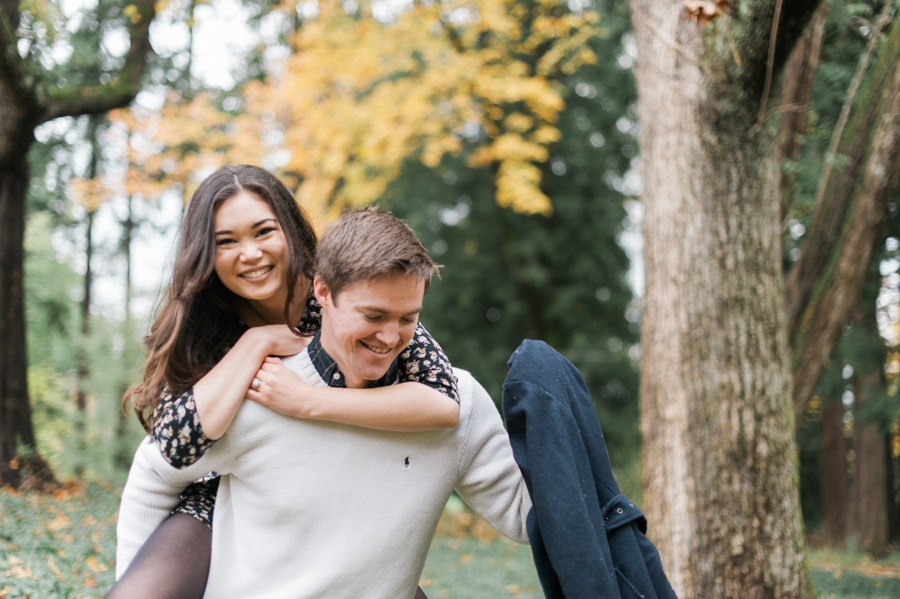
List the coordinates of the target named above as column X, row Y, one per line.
column 331, row 374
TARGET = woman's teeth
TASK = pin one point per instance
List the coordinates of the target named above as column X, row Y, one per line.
column 257, row 273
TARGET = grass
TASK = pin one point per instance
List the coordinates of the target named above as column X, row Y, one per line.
column 61, row 545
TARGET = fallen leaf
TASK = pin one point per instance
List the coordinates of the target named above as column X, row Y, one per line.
column 54, row 569
column 514, row 589
column 95, row 565
column 19, row 572
column 61, row 521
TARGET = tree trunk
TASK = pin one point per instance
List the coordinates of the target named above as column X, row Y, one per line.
column 83, row 369
column 720, row 467
column 83, row 358
column 893, row 505
column 18, row 452
column 870, row 523
column 122, row 455
column 834, row 473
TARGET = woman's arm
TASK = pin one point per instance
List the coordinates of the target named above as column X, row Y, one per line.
column 406, row 407
column 218, row 395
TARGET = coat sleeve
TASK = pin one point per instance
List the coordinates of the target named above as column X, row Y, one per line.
column 152, row 491
column 490, row 481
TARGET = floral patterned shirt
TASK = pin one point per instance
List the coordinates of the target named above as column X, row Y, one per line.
column 176, row 425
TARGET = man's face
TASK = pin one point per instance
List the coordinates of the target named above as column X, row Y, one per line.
column 369, row 323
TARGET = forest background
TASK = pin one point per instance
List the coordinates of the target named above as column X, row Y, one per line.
column 506, row 133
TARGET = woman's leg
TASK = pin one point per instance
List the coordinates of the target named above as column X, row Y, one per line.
column 172, row 564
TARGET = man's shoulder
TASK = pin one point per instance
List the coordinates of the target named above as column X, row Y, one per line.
column 472, row 396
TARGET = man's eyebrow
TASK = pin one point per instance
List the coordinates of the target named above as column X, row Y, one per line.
column 253, row 226
column 382, row 311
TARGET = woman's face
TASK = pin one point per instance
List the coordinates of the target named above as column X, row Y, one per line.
column 251, row 250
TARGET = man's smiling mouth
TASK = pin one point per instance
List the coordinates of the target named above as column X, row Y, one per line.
column 256, row 273
column 377, row 350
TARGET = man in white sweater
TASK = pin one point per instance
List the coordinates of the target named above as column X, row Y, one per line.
column 310, row 509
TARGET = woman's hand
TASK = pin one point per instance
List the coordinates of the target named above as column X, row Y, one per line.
column 278, row 340
column 282, row 390
column 219, row 394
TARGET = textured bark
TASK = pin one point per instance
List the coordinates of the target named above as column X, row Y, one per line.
column 834, row 473
column 870, row 521
column 720, row 466
column 25, row 102
column 837, row 293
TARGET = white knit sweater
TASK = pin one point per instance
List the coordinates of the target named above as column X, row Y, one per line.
column 311, row 509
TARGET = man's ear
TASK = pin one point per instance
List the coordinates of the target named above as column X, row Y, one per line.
column 321, row 291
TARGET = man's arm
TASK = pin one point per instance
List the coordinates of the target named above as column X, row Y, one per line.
column 490, row 481
column 151, row 493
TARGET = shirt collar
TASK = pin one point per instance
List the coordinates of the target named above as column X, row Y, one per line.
column 331, row 374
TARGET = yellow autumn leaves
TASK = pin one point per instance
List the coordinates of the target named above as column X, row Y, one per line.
column 357, row 97
column 363, row 96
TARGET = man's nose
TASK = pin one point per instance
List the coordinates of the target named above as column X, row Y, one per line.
column 389, row 334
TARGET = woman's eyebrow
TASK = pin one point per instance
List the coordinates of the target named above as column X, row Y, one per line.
column 253, row 226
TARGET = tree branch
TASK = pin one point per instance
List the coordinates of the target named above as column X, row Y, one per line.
column 832, row 199
column 799, row 76
column 862, row 232
column 76, row 101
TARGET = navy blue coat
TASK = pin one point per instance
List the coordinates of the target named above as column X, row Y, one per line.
column 587, row 539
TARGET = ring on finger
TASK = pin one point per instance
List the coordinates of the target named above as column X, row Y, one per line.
column 256, row 383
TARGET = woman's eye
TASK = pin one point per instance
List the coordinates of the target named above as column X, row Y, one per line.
column 264, row 231
column 224, row 241
column 371, row 317
column 407, row 320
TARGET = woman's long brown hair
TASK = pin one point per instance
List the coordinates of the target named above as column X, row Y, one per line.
column 196, row 323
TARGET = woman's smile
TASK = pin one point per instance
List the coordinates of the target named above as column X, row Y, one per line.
column 258, row 273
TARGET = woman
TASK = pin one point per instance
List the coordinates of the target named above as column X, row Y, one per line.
column 240, row 282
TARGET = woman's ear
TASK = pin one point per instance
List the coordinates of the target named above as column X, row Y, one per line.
column 321, row 291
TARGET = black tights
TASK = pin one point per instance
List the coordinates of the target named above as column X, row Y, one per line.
column 173, row 563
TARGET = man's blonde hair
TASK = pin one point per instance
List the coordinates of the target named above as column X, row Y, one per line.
column 368, row 243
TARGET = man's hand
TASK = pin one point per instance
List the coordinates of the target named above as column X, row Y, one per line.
column 281, row 390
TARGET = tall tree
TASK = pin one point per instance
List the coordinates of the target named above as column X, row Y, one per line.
column 32, row 93
column 719, row 460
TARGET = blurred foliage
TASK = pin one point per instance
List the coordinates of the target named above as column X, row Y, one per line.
column 559, row 277
column 361, row 94
column 870, row 340
column 60, row 544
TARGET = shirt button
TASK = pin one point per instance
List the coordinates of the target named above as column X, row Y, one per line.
column 337, row 375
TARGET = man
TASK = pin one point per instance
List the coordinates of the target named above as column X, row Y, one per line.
column 318, row 509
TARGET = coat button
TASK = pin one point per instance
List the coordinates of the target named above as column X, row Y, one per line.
column 619, row 511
